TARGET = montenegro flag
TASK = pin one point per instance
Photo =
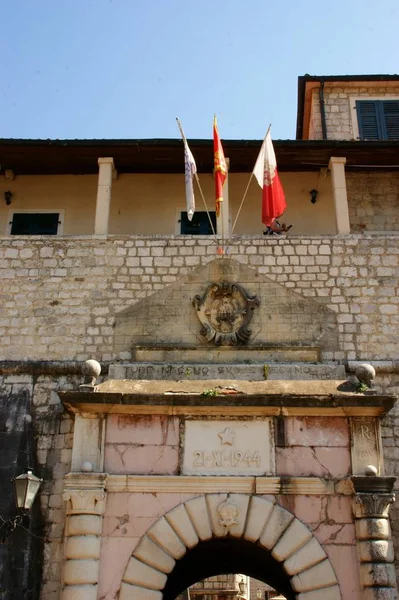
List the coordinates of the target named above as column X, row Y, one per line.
column 219, row 169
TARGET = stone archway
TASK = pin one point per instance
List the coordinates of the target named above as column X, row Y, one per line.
column 215, row 516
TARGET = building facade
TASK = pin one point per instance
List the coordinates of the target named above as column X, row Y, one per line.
column 231, row 429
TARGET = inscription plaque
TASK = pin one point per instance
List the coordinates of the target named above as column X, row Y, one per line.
column 366, row 445
column 228, row 448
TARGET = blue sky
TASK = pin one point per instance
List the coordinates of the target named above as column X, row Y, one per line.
column 127, row 68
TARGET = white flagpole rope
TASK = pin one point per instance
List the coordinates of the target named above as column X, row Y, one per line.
column 248, row 184
column 198, row 182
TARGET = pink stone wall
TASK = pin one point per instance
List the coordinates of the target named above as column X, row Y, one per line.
column 315, row 446
column 147, row 445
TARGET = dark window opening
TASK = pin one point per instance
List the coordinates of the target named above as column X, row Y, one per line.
column 378, row 119
column 35, row 224
column 199, row 225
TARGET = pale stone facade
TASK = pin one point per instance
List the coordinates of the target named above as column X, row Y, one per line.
column 339, row 103
column 189, row 459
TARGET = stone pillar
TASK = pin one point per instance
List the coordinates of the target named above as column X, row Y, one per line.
column 223, row 221
column 374, row 544
column 104, row 186
column 85, row 509
column 337, row 168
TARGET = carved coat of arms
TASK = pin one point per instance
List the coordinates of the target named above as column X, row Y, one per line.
column 225, row 311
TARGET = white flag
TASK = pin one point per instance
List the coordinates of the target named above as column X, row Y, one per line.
column 190, row 168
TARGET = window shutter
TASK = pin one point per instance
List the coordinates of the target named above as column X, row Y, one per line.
column 390, row 110
column 368, row 121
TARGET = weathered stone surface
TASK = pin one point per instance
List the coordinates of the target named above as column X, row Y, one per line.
column 373, row 529
column 151, row 554
column 377, row 574
column 306, row 557
column 79, row 592
column 319, row 576
column 254, row 372
column 162, row 533
column 81, row 572
column 198, row 512
column 376, row 551
column 296, row 536
column 181, row 523
column 228, row 447
column 330, row 593
column 276, row 525
column 82, row 546
column 140, row 593
column 140, row 574
column 259, row 513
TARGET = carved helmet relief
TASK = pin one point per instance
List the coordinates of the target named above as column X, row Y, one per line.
column 225, row 311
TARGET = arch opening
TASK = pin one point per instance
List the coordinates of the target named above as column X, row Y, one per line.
column 220, row 556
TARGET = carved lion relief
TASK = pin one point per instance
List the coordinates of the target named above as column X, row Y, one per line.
column 225, row 311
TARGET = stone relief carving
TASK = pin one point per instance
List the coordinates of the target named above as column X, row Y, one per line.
column 90, row 502
column 228, row 513
column 367, row 506
column 225, row 311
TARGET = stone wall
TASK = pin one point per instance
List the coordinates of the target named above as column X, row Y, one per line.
column 373, row 200
column 60, row 298
column 34, row 432
column 338, row 108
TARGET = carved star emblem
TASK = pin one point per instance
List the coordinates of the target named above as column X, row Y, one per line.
column 227, row 437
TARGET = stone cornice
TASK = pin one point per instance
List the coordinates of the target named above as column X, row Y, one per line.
column 211, row 484
column 286, row 404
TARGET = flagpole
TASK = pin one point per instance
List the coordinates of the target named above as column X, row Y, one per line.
column 197, row 180
column 248, row 184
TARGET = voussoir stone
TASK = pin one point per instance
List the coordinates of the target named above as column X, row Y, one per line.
column 294, row 538
column 181, row 523
column 128, row 592
column 330, row 593
column 162, row 533
column 150, row 553
column 319, row 576
column 275, row 526
column 138, row 573
column 259, row 512
column 197, row 510
column 306, row 557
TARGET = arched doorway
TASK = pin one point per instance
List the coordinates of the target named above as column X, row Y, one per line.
column 223, row 556
column 227, row 533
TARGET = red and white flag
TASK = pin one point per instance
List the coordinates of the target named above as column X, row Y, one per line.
column 265, row 171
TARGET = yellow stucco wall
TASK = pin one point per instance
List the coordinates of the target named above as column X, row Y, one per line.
column 151, row 203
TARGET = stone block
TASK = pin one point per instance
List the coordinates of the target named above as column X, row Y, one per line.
column 128, row 592
column 319, row 576
column 198, row 513
column 294, row 538
column 82, row 546
column 373, row 529
column 377, row 574
column 382, row 593
column 151, row 554
column 138, row 573
column 214, row 501
column 162, row 533
column 306, row 557
column 84, row 525
column 259, row 512
column 376, row 551
column 78, row 592
column 317, row 431
column 78, row 572
column 180, row 521
column 330, row 593
column 275, row 526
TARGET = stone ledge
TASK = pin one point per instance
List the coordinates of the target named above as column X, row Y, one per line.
column 212, row 484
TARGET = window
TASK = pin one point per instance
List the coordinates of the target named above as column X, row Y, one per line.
column 199, row 225
column 378, row 119
column 35, row 222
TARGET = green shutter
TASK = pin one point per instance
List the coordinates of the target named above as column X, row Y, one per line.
column 390, row 110
column 368, row 120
